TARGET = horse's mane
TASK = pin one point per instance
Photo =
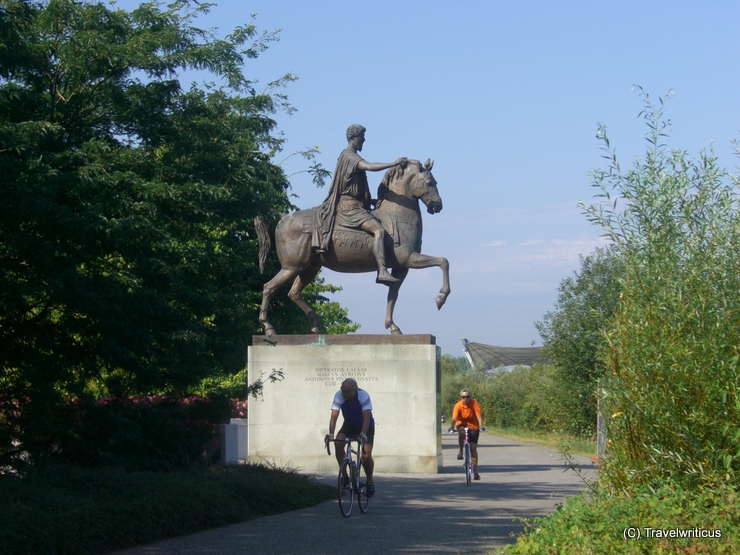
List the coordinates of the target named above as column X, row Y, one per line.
column 396, row 172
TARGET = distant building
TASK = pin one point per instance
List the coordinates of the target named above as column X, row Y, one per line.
column 489, row 357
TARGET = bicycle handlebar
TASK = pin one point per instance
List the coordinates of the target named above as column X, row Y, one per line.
column 452, row 429
column 358, row 439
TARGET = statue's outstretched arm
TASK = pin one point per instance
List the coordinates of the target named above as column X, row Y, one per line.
column 379, row 166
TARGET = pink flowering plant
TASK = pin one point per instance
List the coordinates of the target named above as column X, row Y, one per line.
column 238, row 408
column 139, row 432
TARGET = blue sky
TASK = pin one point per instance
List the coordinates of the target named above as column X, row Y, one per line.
column 506, row 98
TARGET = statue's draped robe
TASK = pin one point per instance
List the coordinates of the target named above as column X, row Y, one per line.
column 348, row 201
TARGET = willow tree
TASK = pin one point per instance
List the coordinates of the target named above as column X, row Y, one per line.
column 671, row 353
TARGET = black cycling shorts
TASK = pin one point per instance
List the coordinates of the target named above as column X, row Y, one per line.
column 354, row 431
column 472, row 434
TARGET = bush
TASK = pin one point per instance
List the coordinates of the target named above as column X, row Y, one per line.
column 672, row 356
column 525, row 398
column 155, row 432
column 603, row 524
column 144, row 432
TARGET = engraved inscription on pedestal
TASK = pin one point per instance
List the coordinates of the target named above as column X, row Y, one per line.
column 332, row 377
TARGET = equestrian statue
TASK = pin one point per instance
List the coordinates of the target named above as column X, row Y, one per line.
column 345, row 235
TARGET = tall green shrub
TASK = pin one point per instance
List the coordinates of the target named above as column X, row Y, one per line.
column 672, row 353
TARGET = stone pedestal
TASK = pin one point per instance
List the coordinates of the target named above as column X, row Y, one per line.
column 401, row 373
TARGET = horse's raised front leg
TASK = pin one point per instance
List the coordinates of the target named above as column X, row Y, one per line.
column 295, row 295
column 418, row 260
column 281, row 279
column 400, row 274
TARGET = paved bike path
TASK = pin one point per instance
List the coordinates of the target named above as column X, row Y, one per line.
column 410, row 514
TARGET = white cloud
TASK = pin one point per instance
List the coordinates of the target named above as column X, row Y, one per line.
column 497, row 243
column 531, row 242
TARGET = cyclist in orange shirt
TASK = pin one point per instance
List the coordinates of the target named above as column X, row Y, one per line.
column 467, row 414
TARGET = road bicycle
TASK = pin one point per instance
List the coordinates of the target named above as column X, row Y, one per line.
column 467, row 455
column 350, row 484
column 467, row 459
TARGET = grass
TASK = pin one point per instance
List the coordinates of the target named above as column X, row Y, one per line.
column 554, row 441
column 72, row 510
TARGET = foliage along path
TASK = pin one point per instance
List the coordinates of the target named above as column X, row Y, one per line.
column 411, row 514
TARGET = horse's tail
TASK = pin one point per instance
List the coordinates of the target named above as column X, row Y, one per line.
column 263, row 239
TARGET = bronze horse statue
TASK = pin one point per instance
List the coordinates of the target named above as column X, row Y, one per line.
column 351, row 250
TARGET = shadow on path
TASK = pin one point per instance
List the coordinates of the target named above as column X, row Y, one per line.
column 410, row 514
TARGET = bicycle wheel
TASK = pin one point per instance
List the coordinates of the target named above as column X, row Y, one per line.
column 362, row 498
column 468, row 464
column 345, row 489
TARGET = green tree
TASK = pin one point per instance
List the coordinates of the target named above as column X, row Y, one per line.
column 672, row 355
column 456, row 374
column 334, row 316
column 128, row 257
column 574, row 333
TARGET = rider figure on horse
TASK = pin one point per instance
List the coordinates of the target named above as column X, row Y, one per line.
column 348, row 201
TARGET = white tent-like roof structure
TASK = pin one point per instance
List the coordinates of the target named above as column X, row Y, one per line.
column 487, row 357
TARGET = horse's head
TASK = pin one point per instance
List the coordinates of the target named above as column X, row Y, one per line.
column 414, row 181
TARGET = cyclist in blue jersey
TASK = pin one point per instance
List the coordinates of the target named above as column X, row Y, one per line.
column 357, row 411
